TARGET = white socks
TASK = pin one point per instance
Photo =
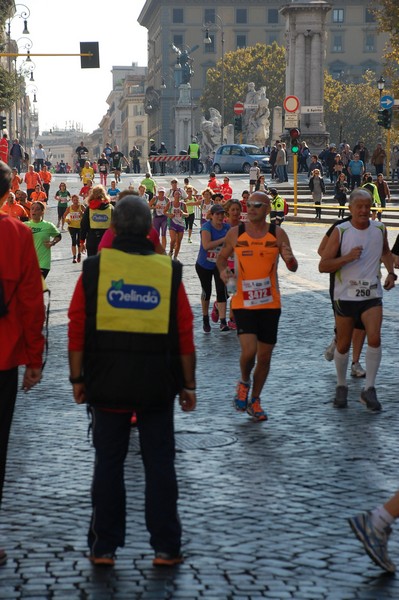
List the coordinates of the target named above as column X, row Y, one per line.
column 373, row 359
column 341, row 365
column 381, row 519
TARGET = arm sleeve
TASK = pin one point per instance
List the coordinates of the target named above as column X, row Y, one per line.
column 185, row 322
column 77, row 318
column 30, row 302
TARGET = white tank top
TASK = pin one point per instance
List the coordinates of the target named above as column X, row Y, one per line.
column 360, row 279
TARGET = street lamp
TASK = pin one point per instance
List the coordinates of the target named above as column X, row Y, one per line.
column 23, row 14
column 208, row 40
column 381, row 84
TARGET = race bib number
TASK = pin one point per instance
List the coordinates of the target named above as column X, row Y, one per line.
column 212, row 255
column 257, row 291
column 362, row 290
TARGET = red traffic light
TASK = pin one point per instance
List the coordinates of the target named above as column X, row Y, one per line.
column 294, row 133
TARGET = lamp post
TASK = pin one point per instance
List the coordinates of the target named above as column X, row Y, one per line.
column 22, row 12
column 381, row 84
column 208, row 40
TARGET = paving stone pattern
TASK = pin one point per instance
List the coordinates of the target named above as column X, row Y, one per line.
column 263, row 505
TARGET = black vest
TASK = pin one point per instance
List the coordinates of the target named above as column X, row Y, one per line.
column 130, row 370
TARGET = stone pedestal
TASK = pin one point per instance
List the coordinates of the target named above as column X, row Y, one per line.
column 277, row 124
column 183, row 118
column 306, row 49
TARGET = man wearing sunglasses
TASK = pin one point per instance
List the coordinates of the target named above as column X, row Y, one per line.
column 256, row 304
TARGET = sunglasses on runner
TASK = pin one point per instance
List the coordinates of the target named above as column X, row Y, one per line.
column 256, row 204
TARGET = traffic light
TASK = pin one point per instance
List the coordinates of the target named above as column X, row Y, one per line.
column 385, row 118
column 294, row 135
column 237, row 124
column 89, row 62
column 3, row 122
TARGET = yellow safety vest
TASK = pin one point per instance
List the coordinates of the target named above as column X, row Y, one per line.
column 100, row 219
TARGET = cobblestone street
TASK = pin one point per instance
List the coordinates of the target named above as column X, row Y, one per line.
column 263, row 505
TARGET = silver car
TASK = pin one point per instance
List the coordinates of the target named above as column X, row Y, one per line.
column 239, row 158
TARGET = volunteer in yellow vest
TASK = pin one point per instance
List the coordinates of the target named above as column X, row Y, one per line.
column 372, row 188
column 277, row 207
column 257, row 246
column 96, row 219
column 194, row 153
column 131, row 349
column 73, row 216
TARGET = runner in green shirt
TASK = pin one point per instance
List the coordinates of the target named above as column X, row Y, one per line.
column 42, row 232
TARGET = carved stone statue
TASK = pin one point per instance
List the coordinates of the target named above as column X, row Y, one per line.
column 256, row 123
column 211, row 132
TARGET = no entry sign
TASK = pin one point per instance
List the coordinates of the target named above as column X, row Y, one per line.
column 238, row 108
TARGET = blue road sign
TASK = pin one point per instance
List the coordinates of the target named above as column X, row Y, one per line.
column 387, row 102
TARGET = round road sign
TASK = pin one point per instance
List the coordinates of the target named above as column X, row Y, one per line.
column 291, row 104
column 238, row 108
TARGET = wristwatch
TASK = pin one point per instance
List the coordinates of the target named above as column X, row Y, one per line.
column 393, row 275
column 79, row 379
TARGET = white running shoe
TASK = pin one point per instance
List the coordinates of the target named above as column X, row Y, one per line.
column 329, row 351
column 357, row 370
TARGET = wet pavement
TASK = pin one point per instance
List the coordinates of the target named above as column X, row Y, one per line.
column 263, row 505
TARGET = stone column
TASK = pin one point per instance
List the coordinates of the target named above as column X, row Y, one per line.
column 306, row 49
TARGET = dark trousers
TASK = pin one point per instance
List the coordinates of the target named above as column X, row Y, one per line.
column 355, row 181
column 46, row 187
column 8, row 394
column 194, row 165
column 111, row 432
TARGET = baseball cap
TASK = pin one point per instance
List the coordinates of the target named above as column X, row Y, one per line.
column 217, row 208
column 174, row 181
column 161, row 190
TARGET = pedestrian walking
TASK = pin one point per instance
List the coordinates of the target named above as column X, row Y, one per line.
column 176, row 210
column 17, row 154
column 103, row 167
column 194, row 153
column 21, row 319
column 254, row 174
column 354, row 252
column 340, row 193
column 256, row 245
column 112, row 370
column 318, row 188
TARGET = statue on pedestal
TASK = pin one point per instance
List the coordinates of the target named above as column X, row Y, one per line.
column 256, row 123
column 211, row 132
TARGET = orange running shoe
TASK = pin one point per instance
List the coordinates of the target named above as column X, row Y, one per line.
column 255, row 410
column 240, row 401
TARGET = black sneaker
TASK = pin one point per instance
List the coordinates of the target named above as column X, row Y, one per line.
column 74, row 260
column 369, row 398
column 206, row 327
column 163, row 559
column 224, row 328
column 341, row 396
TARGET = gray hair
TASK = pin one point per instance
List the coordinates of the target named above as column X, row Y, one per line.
column 361, row 193
column 131, row 216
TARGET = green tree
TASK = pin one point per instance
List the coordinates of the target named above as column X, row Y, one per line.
column 11, row 88
column 264, row 65
column 350, row 110
column 387, row 14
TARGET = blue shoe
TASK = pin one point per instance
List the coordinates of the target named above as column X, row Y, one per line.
column 375, row 542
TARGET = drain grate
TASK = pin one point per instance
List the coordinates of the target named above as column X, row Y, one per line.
column 194, row 440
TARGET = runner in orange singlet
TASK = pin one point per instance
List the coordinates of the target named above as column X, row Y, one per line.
column 256, row 303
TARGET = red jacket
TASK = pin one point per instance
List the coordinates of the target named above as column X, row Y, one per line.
column 21, row 338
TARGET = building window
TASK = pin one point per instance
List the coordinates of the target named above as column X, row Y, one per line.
column 177, row 15
column 178, row 40
column 369, row 16
column 139, row 129
column 337, row 42
column 272, row 15
column 210, row 48
column 209, row 16
column 241, row 16
column 369, row 42
column 338, row 15
column 272, row 37
column 241, row 41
